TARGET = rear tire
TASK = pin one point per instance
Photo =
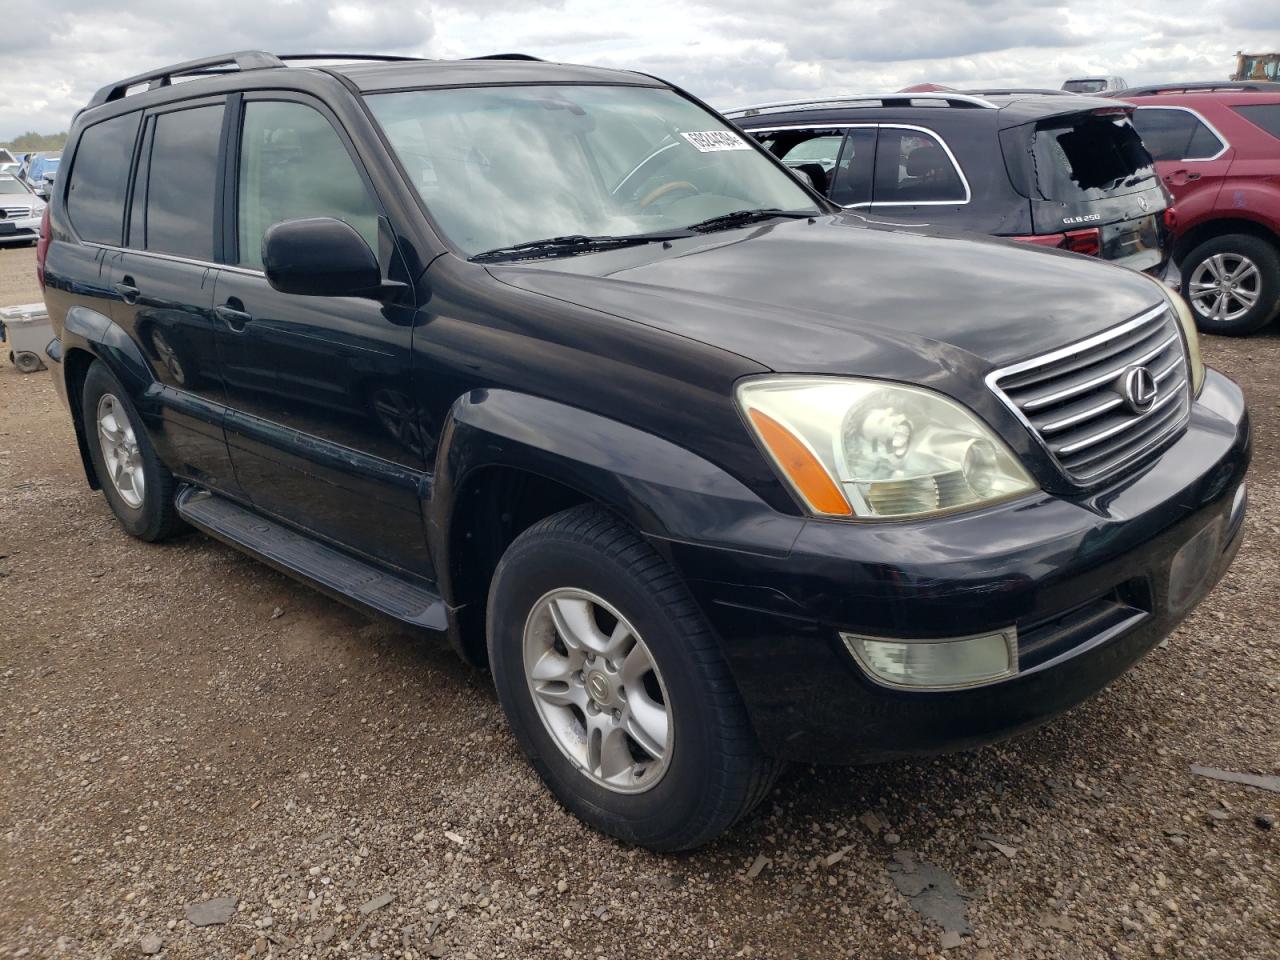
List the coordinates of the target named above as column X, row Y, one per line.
column 1232, row 284
column 138, row 487
column 584, row 575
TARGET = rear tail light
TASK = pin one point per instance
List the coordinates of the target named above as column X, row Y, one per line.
column 1171, row 218
column 42, row 247
column 1088, row 242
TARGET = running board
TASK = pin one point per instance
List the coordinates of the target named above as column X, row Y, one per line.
column 338, row 574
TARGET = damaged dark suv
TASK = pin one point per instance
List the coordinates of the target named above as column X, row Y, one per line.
column 553, row 362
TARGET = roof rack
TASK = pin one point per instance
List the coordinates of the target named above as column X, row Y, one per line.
column 163, row 77
column 868, row 99
column 1015, row 91
column 1206, row 86
column 375, row 57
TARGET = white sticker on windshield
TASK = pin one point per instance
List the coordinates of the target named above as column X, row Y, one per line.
column 709, row 141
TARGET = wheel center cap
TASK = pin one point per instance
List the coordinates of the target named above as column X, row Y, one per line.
column 598, row 686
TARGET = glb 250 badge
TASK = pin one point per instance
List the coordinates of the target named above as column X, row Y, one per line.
column 1086, row 218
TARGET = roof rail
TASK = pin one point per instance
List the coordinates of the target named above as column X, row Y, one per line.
column 1015, row 91
column 868, row 99
column 1205, row 86
column 375, row 57
column 163, row 77
column 508, row 56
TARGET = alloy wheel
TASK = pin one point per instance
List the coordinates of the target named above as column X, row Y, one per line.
column 597, row 690
column 120, row 451
column 1225, row 286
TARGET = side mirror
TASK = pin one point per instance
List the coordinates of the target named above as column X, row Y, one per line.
column 803, row 177
column 320, row 257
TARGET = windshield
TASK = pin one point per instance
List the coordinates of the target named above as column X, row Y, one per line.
column 9, row 185
column 500, row 166
column 1085, row 86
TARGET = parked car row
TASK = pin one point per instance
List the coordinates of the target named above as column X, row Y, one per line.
column 20, row 211
column 713, row 465
column 1142, row 175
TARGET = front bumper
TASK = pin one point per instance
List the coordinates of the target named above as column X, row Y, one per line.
column 25, row 230
column 1091, row 584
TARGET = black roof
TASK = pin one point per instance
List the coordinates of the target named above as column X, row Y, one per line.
column 376, row 77
column 377, row 72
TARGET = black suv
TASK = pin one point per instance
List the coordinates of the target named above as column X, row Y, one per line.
column 552, row 361
column 1048, row 168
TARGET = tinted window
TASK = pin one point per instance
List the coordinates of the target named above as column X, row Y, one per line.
column 95, row 198
column 1089, row 157
column 1264, row 115
column 294, row 165
column 851, row 180
column 1085, row 86
column 913, row 167
column 181, row 182
column 1175, row 135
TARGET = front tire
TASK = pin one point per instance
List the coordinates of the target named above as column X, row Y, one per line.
column 615, row 687
column 1232, row 284
column 138, row 487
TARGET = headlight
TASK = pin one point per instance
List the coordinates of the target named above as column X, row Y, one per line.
column 868, row 449
column 1190, row 334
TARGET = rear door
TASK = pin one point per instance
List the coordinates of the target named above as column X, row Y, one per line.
column 1090, row 171
column 1191, row 156
column 163, row 279
column 323, row 428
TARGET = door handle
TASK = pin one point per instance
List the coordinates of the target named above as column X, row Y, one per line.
column 234, row 318
column 128, row 292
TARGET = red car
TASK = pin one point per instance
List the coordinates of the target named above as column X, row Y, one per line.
column 1217, row 148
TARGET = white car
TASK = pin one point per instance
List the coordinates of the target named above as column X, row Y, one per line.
column 1094, row 85
column 20, row 211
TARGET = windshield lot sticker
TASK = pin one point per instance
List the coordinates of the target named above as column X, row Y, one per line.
column 711, row 141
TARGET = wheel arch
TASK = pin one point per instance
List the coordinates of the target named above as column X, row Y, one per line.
column 88, row 336
column 1221, row 227
column 507, row 460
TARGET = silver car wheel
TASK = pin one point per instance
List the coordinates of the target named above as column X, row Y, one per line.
column 1225, row 286
column 120, row 451
column 597, row 690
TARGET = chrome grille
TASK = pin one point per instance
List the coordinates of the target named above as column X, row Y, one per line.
column 14, row 213
column 1074, row 398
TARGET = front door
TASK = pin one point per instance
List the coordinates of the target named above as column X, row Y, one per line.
column 322, row 425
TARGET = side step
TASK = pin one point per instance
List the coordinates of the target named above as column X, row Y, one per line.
column 332, row 571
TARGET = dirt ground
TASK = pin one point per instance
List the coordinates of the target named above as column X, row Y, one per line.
column 179, row 723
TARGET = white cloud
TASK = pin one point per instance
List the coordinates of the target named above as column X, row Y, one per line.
column 726, row 52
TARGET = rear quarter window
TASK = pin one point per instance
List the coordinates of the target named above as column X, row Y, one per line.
column 1263, row 115
column 1171, row 134
column 99, row 177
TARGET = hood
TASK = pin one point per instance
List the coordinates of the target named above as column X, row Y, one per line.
column 841, row 296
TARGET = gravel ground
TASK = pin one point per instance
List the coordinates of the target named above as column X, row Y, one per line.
column 178, row 724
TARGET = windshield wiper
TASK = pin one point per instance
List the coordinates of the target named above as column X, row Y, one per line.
column 741, row 217
column 570, row 244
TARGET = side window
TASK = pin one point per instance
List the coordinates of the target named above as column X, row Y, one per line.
column 813, row 152
column 1175, row 134
column 95, row 193
column 912, row 167
column 851, row 180
column 1264, row 115
column 294, row 165
column 181, row 182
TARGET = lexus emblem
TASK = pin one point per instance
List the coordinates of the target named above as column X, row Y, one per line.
column 1142, row 202
column 1139, row 389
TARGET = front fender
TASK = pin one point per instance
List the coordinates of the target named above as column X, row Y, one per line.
column 665, row 491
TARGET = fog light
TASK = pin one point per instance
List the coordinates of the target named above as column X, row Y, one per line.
column 937, row 664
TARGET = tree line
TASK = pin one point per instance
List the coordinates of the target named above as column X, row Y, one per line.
column 38, row 142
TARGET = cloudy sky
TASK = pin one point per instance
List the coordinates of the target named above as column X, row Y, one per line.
column 730, row 52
